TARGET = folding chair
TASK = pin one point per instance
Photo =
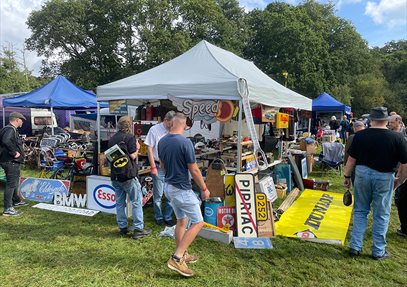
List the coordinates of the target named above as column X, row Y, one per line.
column 332, row 155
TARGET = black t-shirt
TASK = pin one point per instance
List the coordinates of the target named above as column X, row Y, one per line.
column 128, row 139
column 379, row 149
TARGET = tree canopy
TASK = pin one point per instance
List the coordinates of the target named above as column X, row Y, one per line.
column 306, row 47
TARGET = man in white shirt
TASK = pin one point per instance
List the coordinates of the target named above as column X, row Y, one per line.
column 153, row 137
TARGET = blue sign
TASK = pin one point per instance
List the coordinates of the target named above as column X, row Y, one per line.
column 42, row 189
column 252, row 242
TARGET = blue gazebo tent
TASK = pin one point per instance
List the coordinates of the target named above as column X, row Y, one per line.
column 327, row 103
column 59, row 93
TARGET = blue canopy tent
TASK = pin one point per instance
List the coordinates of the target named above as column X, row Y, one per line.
column 326, row 103
column 57, row 94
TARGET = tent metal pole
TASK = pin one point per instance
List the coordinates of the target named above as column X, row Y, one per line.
column 52, row 120
column 309, row 126
column 239, row 138
column 4, row 117
column 98, row 127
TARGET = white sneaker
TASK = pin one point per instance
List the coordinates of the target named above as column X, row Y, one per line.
column 11, row 212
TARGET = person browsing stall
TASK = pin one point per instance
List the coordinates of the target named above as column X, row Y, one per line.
column 153, row 137
column 11, row 158
column 177, row 157
column 400, row 197
column 128, row 187
column 375, row 152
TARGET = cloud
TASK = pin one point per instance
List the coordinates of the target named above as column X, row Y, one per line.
column 252, row 4
column 392, row 13
column 340, row 3
column 13, row 29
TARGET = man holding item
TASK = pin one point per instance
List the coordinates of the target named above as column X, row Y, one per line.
column 11, row 158
column 130, row 186
column 177, row 156
column 153, row 137
column 376, row 152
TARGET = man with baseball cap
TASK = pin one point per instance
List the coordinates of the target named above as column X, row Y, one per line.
column 375, row 151
column 11, row 158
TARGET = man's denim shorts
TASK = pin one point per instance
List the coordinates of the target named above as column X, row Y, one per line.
column 185, row 203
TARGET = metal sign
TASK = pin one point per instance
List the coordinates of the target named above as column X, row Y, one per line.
column 66, row 209
column 245, row 205
column 118, row 107
column 261, row 207
column 252, row 243
column 42, row 189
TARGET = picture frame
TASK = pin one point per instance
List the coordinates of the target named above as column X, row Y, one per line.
column 267, row 187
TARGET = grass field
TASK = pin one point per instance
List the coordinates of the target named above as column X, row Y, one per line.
column 43, row 248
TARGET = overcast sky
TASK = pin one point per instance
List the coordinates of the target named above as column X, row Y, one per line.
column 378, row 21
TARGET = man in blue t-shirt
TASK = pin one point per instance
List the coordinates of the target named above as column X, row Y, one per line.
column 177, row 156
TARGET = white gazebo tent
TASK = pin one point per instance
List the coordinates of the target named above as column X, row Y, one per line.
column 206, row 72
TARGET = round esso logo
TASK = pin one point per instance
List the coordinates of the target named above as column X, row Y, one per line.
column 208, row 211
column 105, row 196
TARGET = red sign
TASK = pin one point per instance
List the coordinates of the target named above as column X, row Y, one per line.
column 226, row 217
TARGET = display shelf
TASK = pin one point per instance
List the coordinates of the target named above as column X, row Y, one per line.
column 207, row 153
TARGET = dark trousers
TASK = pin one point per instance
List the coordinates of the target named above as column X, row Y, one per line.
column 401, row 203
column 12, row 171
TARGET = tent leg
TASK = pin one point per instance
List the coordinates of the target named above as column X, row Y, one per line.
column 309, row 126
column 98, row 129
column 239, row 137
column 4, row 117
column 52, row 120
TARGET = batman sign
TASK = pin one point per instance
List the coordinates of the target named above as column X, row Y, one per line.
column 120, row 162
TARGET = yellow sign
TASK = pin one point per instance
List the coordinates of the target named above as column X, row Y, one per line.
column 316, row 216
column 230, row 199
column 261, row 207
column 282, row 120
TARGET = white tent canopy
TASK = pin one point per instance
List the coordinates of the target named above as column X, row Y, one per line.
column 204, row 72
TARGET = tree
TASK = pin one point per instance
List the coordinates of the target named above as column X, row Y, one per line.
column 13, row 79
column 320, row 51
column 95, row 42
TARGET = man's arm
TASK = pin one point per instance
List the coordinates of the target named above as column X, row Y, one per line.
column 350, row 165
column 151, row 161
column 134, row 155
column 401, row 175
column 197, row 176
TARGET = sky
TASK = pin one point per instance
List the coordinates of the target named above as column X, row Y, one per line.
column 378, row 21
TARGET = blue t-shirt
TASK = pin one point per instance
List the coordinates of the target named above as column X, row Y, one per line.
column 176, row 152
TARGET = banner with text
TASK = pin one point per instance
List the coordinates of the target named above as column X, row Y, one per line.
column 318, row 216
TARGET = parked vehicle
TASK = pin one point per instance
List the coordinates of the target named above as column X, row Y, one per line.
column 37, row 119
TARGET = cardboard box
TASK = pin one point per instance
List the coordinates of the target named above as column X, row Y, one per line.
column 309, row 148
column 310, row 163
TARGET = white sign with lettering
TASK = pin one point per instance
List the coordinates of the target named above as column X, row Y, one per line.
column 66, row 209
column 245, row 205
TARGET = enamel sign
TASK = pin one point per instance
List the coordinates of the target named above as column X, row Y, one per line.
column 245, row 205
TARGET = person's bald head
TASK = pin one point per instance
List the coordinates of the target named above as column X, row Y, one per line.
column 179, row 122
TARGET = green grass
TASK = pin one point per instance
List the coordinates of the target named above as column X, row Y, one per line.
column 43, row 248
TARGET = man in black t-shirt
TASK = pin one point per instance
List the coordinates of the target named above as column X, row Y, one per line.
column 375, row 152
column 130, row 187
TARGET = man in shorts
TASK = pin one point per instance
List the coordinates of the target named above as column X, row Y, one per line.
column 177, row 156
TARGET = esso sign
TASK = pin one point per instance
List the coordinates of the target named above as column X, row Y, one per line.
column 105, row 196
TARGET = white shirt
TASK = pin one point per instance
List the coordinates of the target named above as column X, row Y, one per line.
column 154, row 135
